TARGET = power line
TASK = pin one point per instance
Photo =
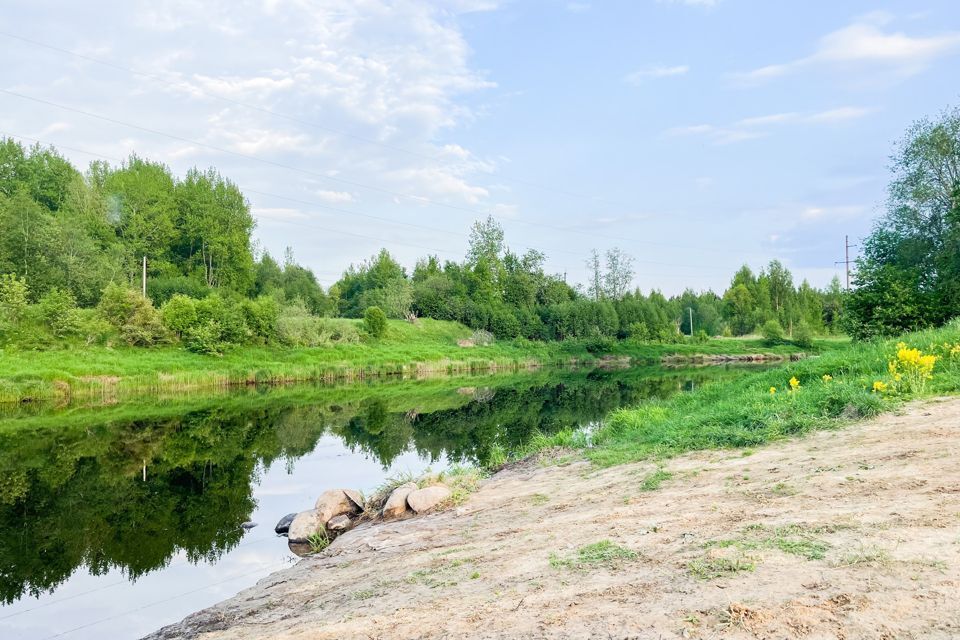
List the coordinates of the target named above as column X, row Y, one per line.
column 360, row 185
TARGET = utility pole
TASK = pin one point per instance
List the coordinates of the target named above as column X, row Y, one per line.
column 846, row 260
column 144, row 278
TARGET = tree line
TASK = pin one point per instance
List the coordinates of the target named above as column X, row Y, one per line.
column 72, row 245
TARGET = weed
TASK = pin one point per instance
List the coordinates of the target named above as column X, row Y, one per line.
column 599, row 554
column 709, row 568
column 653, row 481
column 866, row 555
column 363, row 594
column 539, row 498
column 318, row 541
column 783, row 489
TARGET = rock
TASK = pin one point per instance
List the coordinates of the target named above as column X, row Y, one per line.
column 396, row 504
column 284, row 525
column 334, row 503
column 339, row 524
column 355, row 497
column 423, row 500
column 304, row 525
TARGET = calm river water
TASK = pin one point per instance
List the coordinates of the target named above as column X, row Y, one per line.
column 117, row 520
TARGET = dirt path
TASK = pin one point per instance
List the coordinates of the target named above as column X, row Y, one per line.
column 845, row 534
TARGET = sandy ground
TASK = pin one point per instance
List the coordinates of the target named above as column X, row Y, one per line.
column 729, row 546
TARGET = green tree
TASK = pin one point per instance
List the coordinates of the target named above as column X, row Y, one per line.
column 375, row 322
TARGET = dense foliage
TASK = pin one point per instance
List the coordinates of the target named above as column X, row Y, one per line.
column 72, row 247
column 908, row 276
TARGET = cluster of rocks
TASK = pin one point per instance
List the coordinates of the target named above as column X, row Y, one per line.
column 339, row 510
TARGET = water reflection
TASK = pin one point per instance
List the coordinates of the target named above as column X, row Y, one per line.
column 130, row 487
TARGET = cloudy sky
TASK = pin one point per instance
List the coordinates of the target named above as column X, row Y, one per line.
column 695, row 134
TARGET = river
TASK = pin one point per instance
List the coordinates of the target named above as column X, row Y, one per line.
column 116, row 519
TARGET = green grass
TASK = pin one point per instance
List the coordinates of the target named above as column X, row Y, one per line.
column 720, row 567
column 428, row 347
column 604, row 554
column 742, row 412
column 653, row 481
column 795, row 539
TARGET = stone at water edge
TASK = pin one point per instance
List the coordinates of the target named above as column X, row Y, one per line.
column 284, row 525
column 355, row 498
column 339, row 524
column 332, row 503
column 396, row 504
column 425, row 499
column 304, row 525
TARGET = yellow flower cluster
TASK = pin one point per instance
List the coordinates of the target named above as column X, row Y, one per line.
column 911, row 368
column 879, row 386
column 827, row 377
column 773, row 390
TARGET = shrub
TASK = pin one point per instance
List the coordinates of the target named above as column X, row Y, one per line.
column 772, row 332
column 136, row 318
column 481, row 338
column 179, row 313
column 58, row 308
column 205, row 338
column 13, row 298
column 260, row 316
column 803, row 336
column 375, row 322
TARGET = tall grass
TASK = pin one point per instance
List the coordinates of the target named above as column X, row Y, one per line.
column 835, row 388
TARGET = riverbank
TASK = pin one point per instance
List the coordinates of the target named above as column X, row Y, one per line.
column 842, row 534
column 429, row 347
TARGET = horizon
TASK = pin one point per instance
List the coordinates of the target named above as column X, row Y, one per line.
column 358, row 131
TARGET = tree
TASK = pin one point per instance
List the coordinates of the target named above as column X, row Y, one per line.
column 619, row 274
column 908, row 274
column 595, row 274
column 375, row 322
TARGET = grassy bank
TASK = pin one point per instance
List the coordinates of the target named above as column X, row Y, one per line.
column 428, row 347
column 839, row 386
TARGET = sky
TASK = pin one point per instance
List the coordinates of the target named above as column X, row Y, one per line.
column 696, row 135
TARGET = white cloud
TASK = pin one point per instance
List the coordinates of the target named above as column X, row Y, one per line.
column 759, row 126
column 865, row 43
column 637, row 77
column 335, row 197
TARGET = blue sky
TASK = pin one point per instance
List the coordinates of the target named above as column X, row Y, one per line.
column 696, row 135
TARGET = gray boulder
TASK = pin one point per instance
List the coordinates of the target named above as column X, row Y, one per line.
column 339, row 524
column 304, row 525
column 284, row 525
column 333, row 503
column 355, row 498
column 423, row 500
column 396, row 504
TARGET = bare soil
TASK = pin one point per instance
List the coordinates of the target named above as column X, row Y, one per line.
column 844, row 534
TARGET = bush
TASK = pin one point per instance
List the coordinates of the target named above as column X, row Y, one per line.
column 179, row 313
column 136, row 318
column 58, row 308
column 375, row 322
column 261, row 316
column 772, row 332
column 205, row 338
column 13, row 298
column 481, row 338
column 803, row 336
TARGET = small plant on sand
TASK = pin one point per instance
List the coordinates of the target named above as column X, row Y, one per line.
column 653, row 481
column 599, row 554
column 712, row 567
column 539, row 498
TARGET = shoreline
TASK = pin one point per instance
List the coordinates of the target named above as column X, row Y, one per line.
column 178, row 371
column 798, row 532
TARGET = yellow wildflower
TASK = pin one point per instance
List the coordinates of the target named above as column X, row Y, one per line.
column 827, row 377
column 794, row 383
column 773, row 390
column 879, row 386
